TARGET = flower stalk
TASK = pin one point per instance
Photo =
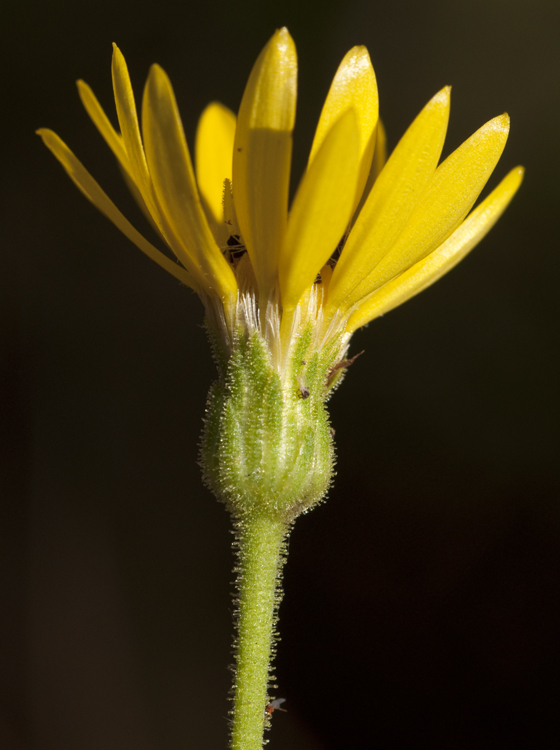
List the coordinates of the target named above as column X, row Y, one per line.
column 261, row 545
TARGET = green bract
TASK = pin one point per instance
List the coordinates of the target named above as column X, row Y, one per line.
column 267, row 444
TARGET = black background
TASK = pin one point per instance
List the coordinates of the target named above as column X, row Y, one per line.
column 421, row 603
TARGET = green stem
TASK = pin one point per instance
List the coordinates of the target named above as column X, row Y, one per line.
column 261, row 554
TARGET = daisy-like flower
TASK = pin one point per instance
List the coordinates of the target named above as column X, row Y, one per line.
column 284, row 288
column 361, row 236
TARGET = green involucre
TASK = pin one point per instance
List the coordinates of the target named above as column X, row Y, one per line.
column 267, row 444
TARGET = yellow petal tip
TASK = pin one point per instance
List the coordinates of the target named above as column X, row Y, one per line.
column 519, row 173
column 282, row 39
column 443, row 96
column 502, row 122
column 359, row 52
column 118, row 56
column 157, row 77
column 46, row 134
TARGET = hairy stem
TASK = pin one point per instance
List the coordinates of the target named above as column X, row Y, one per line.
column 261, row 554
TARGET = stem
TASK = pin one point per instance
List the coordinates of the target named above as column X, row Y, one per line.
column 261, row 555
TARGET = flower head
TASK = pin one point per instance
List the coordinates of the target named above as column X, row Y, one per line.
column 362, row 235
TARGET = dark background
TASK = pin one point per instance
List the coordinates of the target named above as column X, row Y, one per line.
column 421, row 601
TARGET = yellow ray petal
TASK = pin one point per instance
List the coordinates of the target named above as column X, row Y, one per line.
column 377, row 164
column 174, row 184
column 101, row 121
column 131, row 185
column 379, row 156
column 353, row 87
column 214, row 155
column 116, row 144
column 379, row 159
column 89, row 187
column 128, row 122
column 230, row 217
column 321, row 209
column 392, row 198
column 262, row 155
column 448, row 197
column 424, row 273
column 138, row 167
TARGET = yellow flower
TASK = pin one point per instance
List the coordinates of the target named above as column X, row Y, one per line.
column 361, row 236
column 284, row 289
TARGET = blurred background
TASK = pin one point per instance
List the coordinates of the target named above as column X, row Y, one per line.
column 421, row 603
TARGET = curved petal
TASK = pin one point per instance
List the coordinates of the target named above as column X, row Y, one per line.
column 262, row 155
column 377, row 164
column 93, row 192
column 427, row 271
column 321, row 209
column 391, row 199
column 353, row 87
column 174, row 184
column 130, row 130
column 448, row 197
column 379, row 156
column 116, row 144
column 101, row 121
column 214, row 156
